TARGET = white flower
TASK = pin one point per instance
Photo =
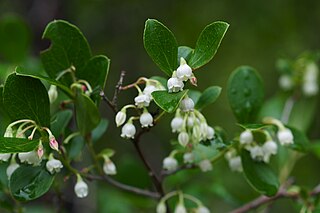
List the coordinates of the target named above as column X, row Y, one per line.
column 184, row 71
column 190, row 121
column 142, row 100
column 202, row 209
column 310, row 88
column 183, row 139
column 269, row 148
column 196, row 133
column 246, row 137
column 285, row 82
column 146, row 119
column 235, row 164
column 210, row 133
column 311, row 73
column 170, row 163
column 52, row 93
column 161, row 208
column 11, row 168
column 81, row 188
column 149, row 89
column 180, row 208
column 256, row 153
column 120, row 118
column 128, row 130
column 176, row 124
column 30, row 158
column 285, row 136
column 187, row 104
column 188, row 157
column 205, row 165
column 109, row 167
column 54, row 165
column 175, row 85
column 5, row 156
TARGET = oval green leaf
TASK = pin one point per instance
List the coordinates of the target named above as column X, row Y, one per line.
column 17, row 145
column 169, row 102
column 245, row 93
column 208, row 43
column 208, row 97
column 26, row 98
column 161, row 45
column 259, row 175
column 29, row 182
column 184, row 52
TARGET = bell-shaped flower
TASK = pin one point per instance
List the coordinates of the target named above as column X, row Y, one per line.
column 170, row 163
column 128, row 130
column 180, row 208
column 109, row 167
column 187, row 104
column 13, row 166
column 285, row 136
column 188, row 157
column 53, row 165
column 5, row 157
column 205, row 165
column 81, row 188
column 176, row 124
column 246, row 137
column 184, row 71
column 142, row 100
column 235, row 164
column 30, row 158
column 146, row 119
column 183, row 138
column 52, row 93
column 202, row 209
column 175, row 85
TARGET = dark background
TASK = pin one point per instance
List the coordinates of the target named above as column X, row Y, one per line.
column 259, row 33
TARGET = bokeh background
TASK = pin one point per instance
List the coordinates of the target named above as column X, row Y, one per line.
column 259, row 33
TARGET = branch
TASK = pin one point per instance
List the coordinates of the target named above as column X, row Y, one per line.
column 283, row 193
column 123, row 186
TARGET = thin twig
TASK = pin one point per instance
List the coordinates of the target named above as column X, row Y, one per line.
column 123, row 186
column 105, row 98
column 117, row 90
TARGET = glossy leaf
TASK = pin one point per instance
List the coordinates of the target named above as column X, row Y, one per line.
column 87, row 114
column 100, row 130
column 95, row 71
column 16, row 145
column 169, row 102
column 26, row 98
column 259, row 175
column 301, row 142
column 161, row 45
column 60, row 121
column 209, row 96
column 208, row 44
column 184, row 52
column 162, row 80
column 245, row 93
column 68, row 48
column 29, row 182
column 194, row 95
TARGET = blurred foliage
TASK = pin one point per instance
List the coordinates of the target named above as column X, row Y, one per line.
column 259, row 33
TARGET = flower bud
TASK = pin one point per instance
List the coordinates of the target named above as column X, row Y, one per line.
column 285, row 82
column 4, row 157
column 128, row 130
column 202, row 209
column 81, row 188
column 120, row 118
column 285, row 136
column 8, row 133
column 246, row 137
column 142, row 100
column 40, row 150
column 53, row 93
column 184, row 71
column 235, row 164
column 170, row 163
column 161, row 208
column 210, row 133
column 205, row 165
column 54, row 165
column 176, row 124
column 11, row 168
column 180, row 208
column 109, row 167
column 188, row 157
column 146, row 119
column 175, row 85
column 187, row 104
column 183, row 139
column 53, row 143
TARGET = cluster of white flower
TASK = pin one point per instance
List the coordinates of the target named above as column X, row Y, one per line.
column 142, row 101
column 190, row 124
column 33, row 157
column 309, row 80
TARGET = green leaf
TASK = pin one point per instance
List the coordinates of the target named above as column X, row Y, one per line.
column 21, row 72
column 68, row 48
column 28, row 182
column 208, row 44
column 100, row 130
column 87, row 114
column 16, row 145
column 95, row 71
column 5, row 120
column 184, row 52
column 161, row 45
column 208, row 96
column 14, row 38
column 202, row 152
column 300, row 141
column 60, row 121
column 26, row 98
column 194, row 95
column 169, row 102
column 259, row 175
column 273, row 107
column 245, row 93
column 162, row 80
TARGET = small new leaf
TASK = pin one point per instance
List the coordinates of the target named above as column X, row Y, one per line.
column 209, row 96
column 169, row 102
